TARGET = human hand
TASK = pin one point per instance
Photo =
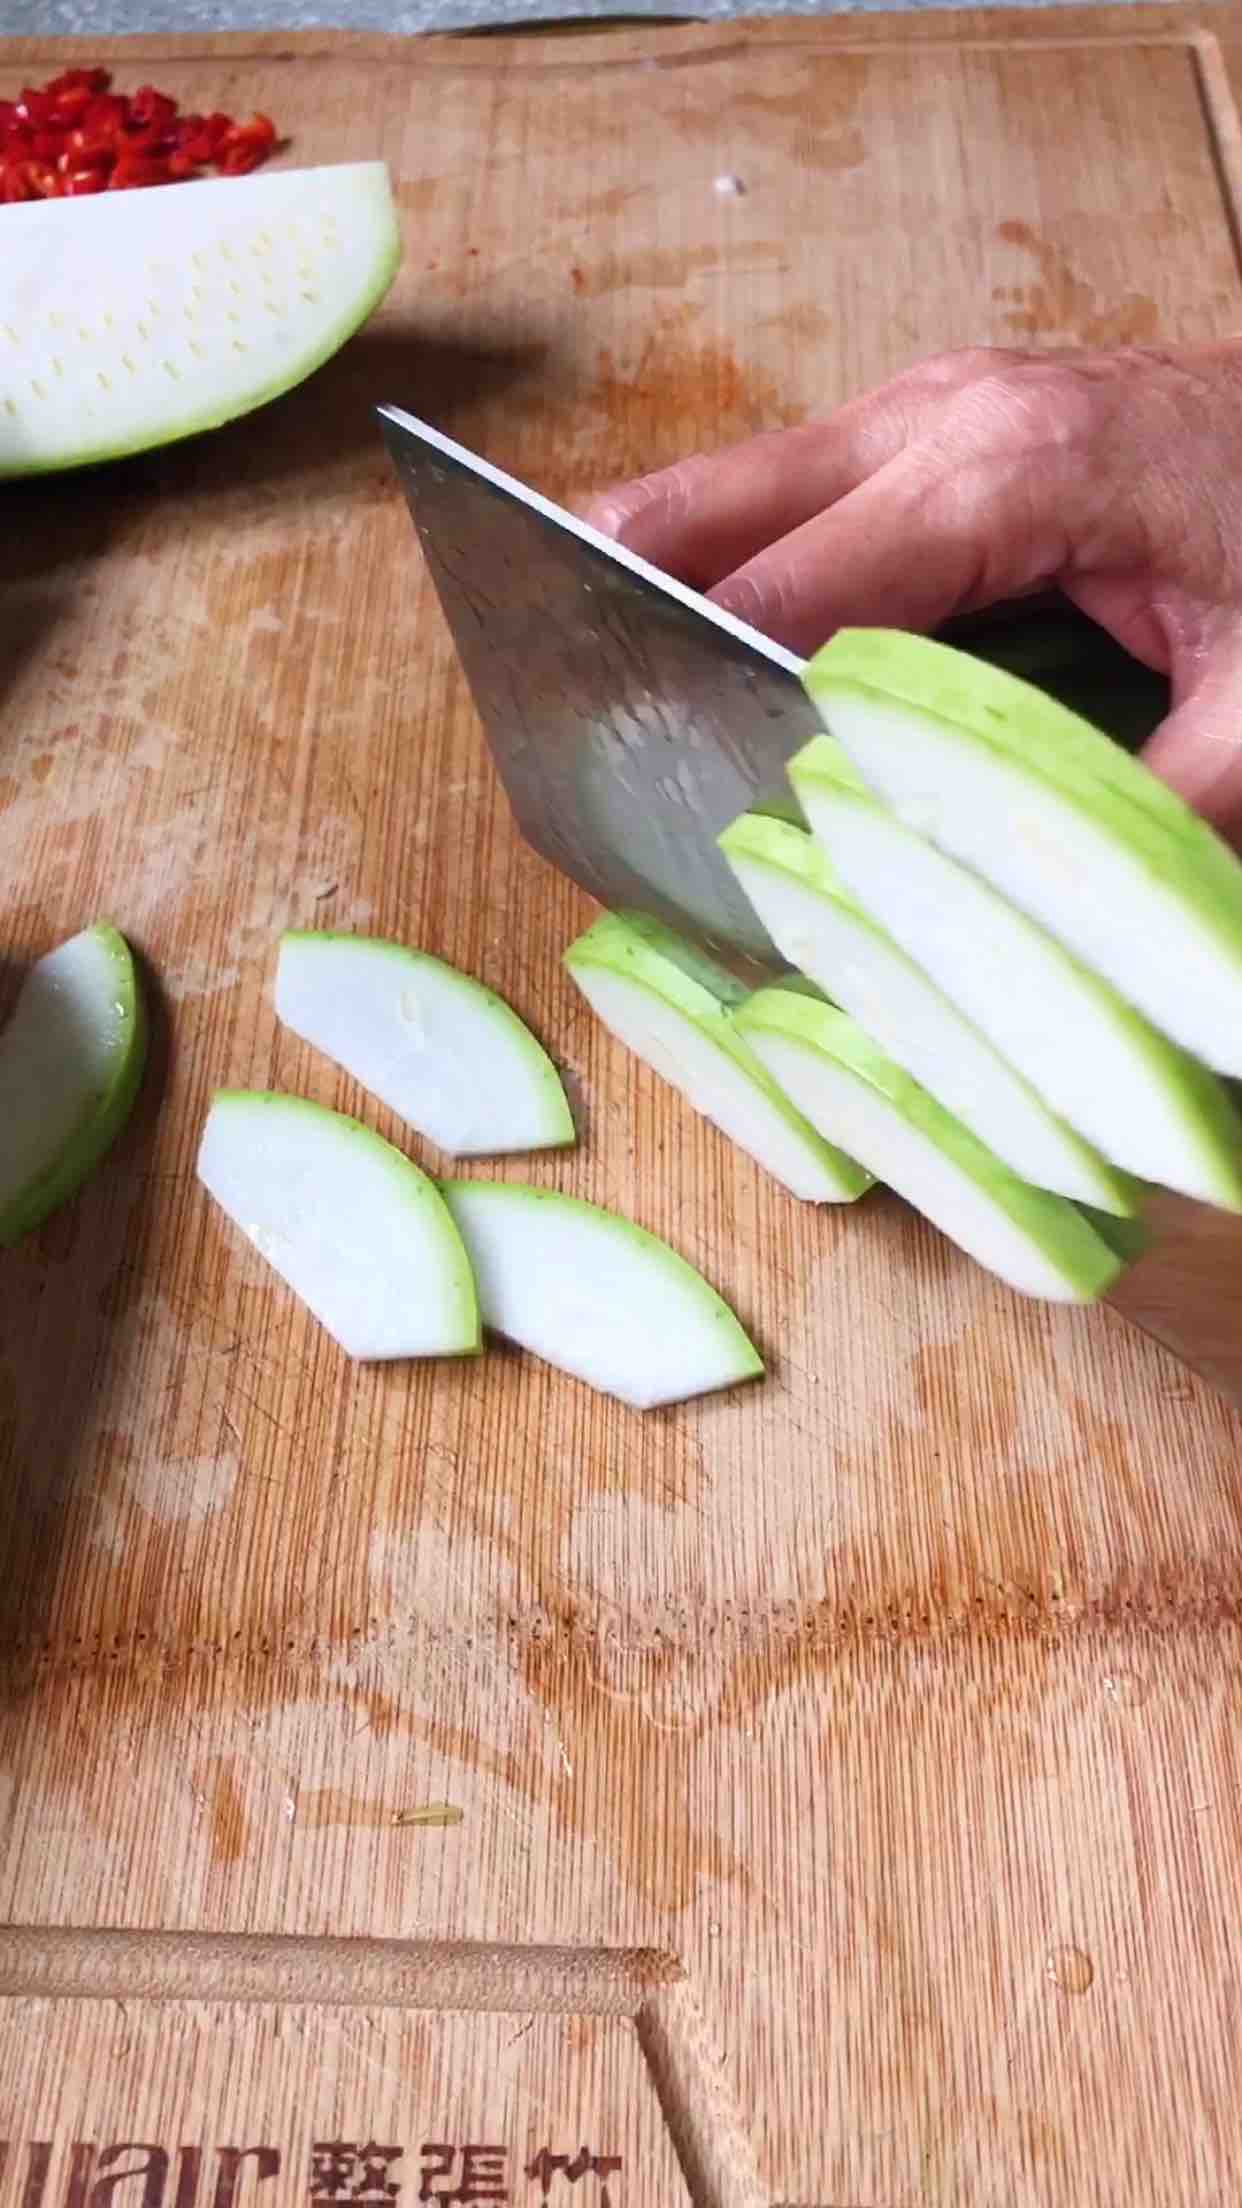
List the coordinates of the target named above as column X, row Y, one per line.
column 986, row 475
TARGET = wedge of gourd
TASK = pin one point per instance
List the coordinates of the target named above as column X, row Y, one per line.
column 858, row 1096
column 358, row 1232
column 670, row 1005
column 823, row 932
column 71, row 1059
column 441, row 1050
column 597, row 1296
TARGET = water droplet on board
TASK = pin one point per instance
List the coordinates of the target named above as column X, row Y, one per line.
column 1070, row 1970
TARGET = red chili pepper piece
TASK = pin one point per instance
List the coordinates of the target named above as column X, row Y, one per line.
column 200, row 135
column 151, row 115
column 69, row 107
column 257, row 126
column 70, row 80
column 149, row 106
column 88, row 145
column 80, row 182
column 136, row 169
column 240, row 158
column 75, row 159
column 107, row 113
column 35, row 107
column 15, row 186
column 246, row 145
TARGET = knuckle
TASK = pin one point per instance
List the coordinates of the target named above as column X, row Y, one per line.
column 966, row 364
column 1027, row 406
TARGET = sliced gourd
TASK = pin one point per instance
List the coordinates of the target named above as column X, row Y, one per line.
column 356, row 1230
column 597, row 1296
column 670, row 1004
column 822, row 931
column 71, row 1059
column 447, row 1055
column 856, row 1095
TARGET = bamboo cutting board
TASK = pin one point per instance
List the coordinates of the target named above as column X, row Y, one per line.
column 444, row 1784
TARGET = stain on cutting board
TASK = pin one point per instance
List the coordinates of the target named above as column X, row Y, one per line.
column 1058, row 301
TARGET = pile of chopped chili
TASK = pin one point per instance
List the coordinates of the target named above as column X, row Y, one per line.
column 76, row 135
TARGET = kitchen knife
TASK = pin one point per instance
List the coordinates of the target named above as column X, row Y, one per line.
column 631, row 720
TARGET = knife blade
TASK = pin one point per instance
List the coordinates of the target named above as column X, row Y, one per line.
column 631, row 720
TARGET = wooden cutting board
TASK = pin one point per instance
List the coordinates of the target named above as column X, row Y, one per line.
column 849, row 1767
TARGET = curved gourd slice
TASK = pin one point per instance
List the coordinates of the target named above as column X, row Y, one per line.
column 822, row 931
column 856, row 1095
column 71, row 1059
column 597, row 1296
column 670, row 1006
column 354, row 1228
column 447, row 1055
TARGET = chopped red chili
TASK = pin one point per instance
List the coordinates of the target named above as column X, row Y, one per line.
column 75, row 135
column 245, row 145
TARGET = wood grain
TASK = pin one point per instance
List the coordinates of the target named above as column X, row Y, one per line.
column 896, row 1698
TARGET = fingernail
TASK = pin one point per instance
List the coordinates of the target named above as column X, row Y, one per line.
column 740, row 597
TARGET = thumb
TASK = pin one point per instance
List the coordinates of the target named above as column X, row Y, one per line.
column 1198, row 747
